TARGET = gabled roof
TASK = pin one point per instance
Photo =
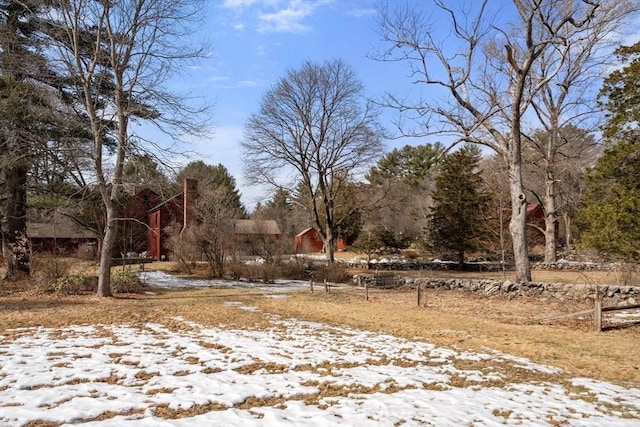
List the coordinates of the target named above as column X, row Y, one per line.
column 256, row 226
column 305, row 231
column 177, row 199
column 60, row 227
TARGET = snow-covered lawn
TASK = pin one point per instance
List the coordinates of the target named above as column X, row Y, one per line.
column 291, row 373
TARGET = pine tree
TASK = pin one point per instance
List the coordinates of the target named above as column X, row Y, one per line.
column 26, row 117
column 212, row 178
column 608, row 220
column 456, row 222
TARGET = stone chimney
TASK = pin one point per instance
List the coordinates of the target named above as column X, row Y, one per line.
column 190, row 194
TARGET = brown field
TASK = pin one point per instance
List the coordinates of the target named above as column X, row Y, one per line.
column 454, row 319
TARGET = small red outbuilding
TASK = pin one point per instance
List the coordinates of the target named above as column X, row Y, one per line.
column 309, row 240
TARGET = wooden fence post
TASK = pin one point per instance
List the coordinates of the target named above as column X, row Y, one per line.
column 598, row 310
column 366, row 291
column 418, row 294
column 326, row 286
column 311, row 284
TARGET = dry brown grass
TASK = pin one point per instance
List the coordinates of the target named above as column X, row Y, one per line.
column 451, row 318
column 468, row 321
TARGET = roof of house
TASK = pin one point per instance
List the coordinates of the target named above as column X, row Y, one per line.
column 60, row 227
column 305, row 231
column 256, row 226
column 177, row 199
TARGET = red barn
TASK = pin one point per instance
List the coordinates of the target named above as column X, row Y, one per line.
column 309, row 240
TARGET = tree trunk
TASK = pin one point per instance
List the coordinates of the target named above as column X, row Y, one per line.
column 550, row 237
column 461, row 259
column 518, row 222
column 568, row 237
column 109, row 238
column 15, row 242
column 330, row 245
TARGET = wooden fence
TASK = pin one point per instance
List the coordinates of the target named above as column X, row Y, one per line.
column 599, row 309
column 386, row 280
column 597, row 312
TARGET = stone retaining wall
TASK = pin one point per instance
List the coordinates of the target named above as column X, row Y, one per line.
column 574, row 266
column 619, row 295
column 407, row 265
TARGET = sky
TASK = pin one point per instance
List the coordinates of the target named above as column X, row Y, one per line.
column 255, row 42
column 286, row 373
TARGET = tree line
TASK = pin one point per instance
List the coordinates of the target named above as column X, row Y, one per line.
column 518, row 80
column 77, row 75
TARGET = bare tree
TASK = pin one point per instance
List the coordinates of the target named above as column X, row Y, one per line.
column 571, row 71
column 122, row 54
column 482, row 70
column 494, row 174
column 212, row 234
column 554, row 165
column 316, row 130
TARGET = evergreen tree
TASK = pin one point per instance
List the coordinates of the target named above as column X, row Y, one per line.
column 26, row 116
column 290, row 217
column 620, row 93
column 142, row 170
column 411, row 164
column 211, row 178
column 402, row 181
column 456, row 222
column 608, row 220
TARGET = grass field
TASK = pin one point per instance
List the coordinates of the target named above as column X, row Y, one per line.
column 460, row 321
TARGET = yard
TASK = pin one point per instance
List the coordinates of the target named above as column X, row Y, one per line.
column 222, row 354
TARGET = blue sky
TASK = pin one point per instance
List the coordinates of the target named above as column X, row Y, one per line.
column 255, row 42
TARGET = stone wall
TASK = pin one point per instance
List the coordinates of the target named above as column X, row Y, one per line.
column 400, row 264
column 619, row 295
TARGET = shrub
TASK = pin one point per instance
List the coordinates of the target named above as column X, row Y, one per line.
column 295, row 271
column 125, row 282
column 51, row 267
column 236, row 269
column 412, row 254
column 269, row 273
column 73, row 284
column 335, row 273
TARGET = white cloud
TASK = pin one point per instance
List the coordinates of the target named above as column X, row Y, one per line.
column 233, row 85
column 286, row 20
column 282, row 16
column 235, row 4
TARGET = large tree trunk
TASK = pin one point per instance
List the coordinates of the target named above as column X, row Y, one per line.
column 109, row 238
column 518, row 222
column 550, row 237
column 330, row 245
column 15, row 242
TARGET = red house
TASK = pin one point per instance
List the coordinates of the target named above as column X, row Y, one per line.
column 176, row 210
column 309, row 240
column 132, row 226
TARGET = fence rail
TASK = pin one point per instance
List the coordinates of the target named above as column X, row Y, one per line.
column 381, row 282
column 599, row 310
